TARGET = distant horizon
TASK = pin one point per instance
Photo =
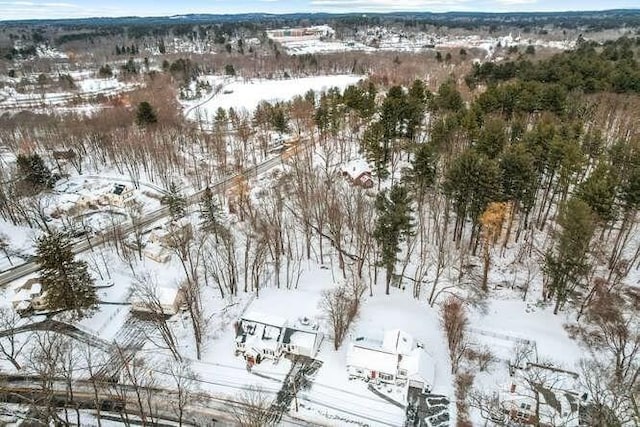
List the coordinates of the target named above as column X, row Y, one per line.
column 31, row 10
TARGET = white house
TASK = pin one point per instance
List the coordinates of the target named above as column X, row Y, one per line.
column 302, row 338
column 391, row 357
column 262, row 336
column 259, row 336
column 542, row 395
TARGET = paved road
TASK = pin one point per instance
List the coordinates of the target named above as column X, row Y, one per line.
column 202, row 410
column 85, row 244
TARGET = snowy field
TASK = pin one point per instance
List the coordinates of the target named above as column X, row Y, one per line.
column 247, row 94
column 295, row 46
column 87, row 86
column 385, row 39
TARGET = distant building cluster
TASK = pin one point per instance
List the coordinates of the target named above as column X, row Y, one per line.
column 315, row 32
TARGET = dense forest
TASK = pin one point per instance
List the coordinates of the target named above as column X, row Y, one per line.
column 590, row 68
column 538, row 158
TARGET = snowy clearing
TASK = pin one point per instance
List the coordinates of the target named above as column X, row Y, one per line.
column 247, row 94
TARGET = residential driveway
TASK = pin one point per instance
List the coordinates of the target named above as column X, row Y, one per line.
column 299, row 378
column 427, row 410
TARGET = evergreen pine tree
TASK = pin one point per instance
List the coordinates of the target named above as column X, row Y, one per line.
column 416, row 104
column 492, row 138
column 422, row 174
column 394, row 113
column 278, row 119
column 518, row 176
column 599, row 192
column 66, row 282
column 567, row 265
column 33, row 172
column 210, row 214
column 392, row 226
column 472, row 182
column 376, row 149
column 176, row 202
column 448, row 97
column 145, row 115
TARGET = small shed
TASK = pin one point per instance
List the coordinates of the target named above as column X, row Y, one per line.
column 156, row 253
column 167, row 302
column 171, row 233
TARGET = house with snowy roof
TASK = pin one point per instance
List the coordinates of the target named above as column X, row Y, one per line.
column 172, row 233
column 166, row 301
column 28, row 296
column 358, row 173
column 262, row 336
column 542, row 395
column 120, row 196
column 391, row 357
column 259, row 336
column 302, row 338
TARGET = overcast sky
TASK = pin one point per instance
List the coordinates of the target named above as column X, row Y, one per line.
column 47, row 9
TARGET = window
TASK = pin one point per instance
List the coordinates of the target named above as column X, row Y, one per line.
column 386, row 377
column 402, row 372
column 525, row 406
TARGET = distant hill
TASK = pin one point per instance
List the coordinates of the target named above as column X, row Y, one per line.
column 603, row 19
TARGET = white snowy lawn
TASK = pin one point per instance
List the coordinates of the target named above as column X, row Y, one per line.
column 247, row 94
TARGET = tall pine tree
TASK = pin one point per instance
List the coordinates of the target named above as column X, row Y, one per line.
column 176, row 202
column 33, row 173
column 211, row 214
column 568, row 265
column 66, row 282
column 392, row 227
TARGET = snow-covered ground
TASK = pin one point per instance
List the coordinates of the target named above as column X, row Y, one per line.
column 295, row 46
column 247, row 94
column 392, row 40
column 87, row 86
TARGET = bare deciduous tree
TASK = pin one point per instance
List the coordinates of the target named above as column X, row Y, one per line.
column 453, row 318
column 10, row 344
column 146, row 295
column 183, row 381
column 252, row 408
column 610, row 403
column 340, row 308
column 45, row 359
